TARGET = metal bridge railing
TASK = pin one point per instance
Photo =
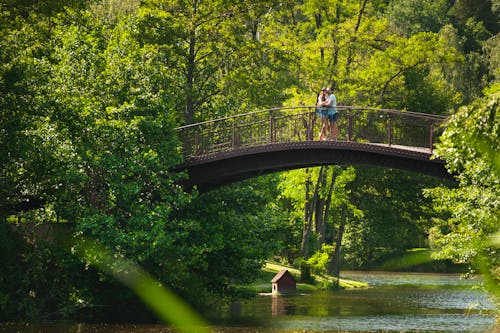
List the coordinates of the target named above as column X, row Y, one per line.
column 301, row 123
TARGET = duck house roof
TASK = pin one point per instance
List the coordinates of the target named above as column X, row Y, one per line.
column 282, row 273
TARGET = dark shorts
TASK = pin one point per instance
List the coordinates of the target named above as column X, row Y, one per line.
column 333, row 116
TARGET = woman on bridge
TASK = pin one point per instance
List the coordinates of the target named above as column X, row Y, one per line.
column 322, row 113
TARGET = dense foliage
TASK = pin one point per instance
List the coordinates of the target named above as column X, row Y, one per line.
column 468, row 234
column 91, row 93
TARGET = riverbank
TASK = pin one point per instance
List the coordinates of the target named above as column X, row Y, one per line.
column 321, row 282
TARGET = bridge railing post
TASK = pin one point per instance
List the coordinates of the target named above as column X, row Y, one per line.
column 389, row 130
column 196, row 147
column 233, row 136
column 310, row 126
column 431, row 137
column 349, row 124
column 272, row 134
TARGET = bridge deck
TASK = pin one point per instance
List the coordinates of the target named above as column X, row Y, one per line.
column 419, row 153
column 212, row 170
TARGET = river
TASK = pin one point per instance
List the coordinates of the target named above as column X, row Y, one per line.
column 395, row 302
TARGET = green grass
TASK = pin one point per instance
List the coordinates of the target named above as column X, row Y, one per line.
column 263, row 282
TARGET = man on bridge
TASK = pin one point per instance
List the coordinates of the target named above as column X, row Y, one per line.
column 332, row 113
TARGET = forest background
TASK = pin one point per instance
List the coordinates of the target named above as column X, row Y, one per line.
column 90, row 94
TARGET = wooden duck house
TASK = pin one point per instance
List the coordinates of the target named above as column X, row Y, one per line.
column 283, row 282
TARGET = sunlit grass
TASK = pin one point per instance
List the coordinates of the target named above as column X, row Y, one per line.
column 270, row 269
column 412, row 258
column 495, row 240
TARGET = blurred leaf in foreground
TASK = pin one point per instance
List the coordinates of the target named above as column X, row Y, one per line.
column 168, row 306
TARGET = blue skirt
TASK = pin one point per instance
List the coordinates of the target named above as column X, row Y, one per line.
column 322, row 112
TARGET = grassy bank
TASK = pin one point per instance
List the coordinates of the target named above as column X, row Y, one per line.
column 324, row 282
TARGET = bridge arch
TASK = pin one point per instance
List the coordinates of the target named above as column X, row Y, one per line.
column 234, row 148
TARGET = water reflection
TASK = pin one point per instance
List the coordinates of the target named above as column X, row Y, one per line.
column 397, row 323
column 414, row 302
column 405, row 302
column 412, row 279
column 278, row 306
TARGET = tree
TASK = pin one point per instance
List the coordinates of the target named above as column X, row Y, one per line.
column 397, row 216
column 469, row 145
column 474, row 33
column 414, row 16
column 344, row 212
column 25, row 163
column 348, row 45
column 89, row 134
column 321, row 196
column 213, row 50
column 230, row 232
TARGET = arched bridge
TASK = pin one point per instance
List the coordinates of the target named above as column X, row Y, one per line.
column 229, row 149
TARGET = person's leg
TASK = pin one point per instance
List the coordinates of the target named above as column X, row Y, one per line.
column 324, row 130
column 321, row 120
column 324, row 126
column 320, row 116
column 334, row 131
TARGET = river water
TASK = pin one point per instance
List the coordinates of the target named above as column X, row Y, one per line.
column 395, row 302
column 398, row 302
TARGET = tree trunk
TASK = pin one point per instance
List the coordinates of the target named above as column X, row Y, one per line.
column 336, row 50
column 308, row 214
column 327, row 208
column 306, row 230
column 334, row 266
column 350, row 57
column 320, row 205
column 191, row 64
column 191, row 67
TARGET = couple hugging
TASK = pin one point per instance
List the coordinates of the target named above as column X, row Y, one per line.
column 328, row 114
